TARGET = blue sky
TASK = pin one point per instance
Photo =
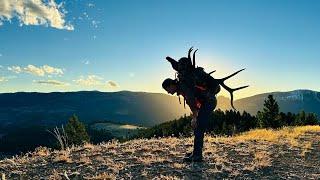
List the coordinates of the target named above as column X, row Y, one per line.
column 121, row 45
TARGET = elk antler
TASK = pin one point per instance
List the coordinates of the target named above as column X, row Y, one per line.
column 230, row 90
column 225, row 78
column 212, row 72
column 189, row 52
column 194, row 58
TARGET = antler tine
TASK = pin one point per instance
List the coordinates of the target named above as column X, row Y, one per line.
column 194, row 58
column 212, row 72
column 231, row 90
column 189, row 52
column 223, row 79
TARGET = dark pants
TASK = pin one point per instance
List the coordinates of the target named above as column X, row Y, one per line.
column 202, row 123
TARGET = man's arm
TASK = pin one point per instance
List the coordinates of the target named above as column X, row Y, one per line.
column 189, row 95
column 190, row 98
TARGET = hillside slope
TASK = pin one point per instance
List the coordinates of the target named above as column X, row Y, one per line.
column 137, row 108
column 288, row 153
column 291, row 101
column 51, row 109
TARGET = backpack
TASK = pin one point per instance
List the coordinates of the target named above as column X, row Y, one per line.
column 188, row 74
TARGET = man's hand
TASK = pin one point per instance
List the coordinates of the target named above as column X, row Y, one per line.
column 195, row 114
column 194, row 119
column 194, row 123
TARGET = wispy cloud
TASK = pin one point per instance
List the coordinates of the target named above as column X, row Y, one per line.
column 95, row 23
column 16, row 69
column 112, row 84
column 94, row 80
column 52, row 82
column 31, row 69
column 35, row 12
column 91, row 5
column 3, row 79
column 86, row 62
column 37, row 71
column 6, row 78
column 52, row 70
column 90, row 80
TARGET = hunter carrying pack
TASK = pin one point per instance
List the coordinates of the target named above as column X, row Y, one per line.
column 192, row 76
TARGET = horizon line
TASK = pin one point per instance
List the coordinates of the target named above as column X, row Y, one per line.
column 43, row 92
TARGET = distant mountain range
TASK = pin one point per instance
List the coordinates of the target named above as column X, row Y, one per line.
column 137, row 108
column 292, row 101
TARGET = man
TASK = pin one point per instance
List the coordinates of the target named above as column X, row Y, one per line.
column 201, row 102
column 199, row 90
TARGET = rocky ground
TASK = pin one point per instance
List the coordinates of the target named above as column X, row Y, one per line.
column 291, row 153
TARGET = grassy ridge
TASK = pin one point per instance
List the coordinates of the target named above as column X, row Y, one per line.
column 290, row 152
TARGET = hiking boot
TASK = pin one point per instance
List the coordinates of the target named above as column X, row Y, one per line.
column 197, row 159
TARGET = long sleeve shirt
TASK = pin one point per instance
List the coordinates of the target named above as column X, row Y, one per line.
column 195, row 96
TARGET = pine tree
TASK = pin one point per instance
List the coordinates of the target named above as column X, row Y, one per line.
column 290, row 118
column 300, row 118
column 311, row 119
column 76, row 131
column 271, row 113
column 260, row 120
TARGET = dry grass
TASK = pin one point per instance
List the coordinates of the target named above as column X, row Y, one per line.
column 55, row 175
column 41, row 151
column 283, row 152
column 63, row 156
column 164, row 177
column 284, row 135
column 102, row 176
column 306, row 147
column 262, row 159
column 3, row 176
column 276, row 135
column 88, row 146
column 178, row 165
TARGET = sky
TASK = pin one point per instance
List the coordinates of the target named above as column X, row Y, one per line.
column 114, row 45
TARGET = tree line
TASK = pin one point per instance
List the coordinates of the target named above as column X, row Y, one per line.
column 28, row 137
column 220, row 122
column 231, row 122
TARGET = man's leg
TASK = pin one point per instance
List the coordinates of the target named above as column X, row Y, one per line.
column 196, row 154
column 198, row 141
column 202, row 121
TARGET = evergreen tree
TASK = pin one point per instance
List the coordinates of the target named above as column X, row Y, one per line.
column 290, row 118
column 260, row 120
column 271, row 113
column 76, row 131
column 311, row 119
column 300, row 118
column 283, row 119
column 247, row 122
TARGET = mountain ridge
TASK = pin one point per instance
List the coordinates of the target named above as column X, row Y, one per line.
column 137, row 108
column 289, row 101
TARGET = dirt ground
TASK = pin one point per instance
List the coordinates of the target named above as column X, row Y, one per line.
column 284, row 157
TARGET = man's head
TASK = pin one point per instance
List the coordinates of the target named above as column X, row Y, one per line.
column 170, row 86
